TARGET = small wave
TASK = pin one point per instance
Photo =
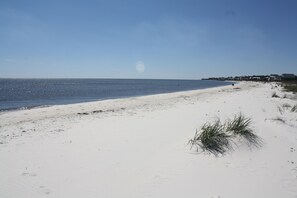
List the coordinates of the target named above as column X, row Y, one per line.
column 24, row 108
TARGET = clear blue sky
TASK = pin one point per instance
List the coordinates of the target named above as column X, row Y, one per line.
column 184, row 39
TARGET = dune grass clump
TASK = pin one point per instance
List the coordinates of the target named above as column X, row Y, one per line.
column 240, row 127
column 290, row 86
column 217, row 138
column 274, row 95
column 294, row 108
column 212, row 138
column 279, row 119
column 286, row 105
column 280, row 109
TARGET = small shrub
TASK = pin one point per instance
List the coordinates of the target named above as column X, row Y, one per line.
column 280, row 109
column 279, row 119
column 290, row 86
column 294, row 108
column 240, row 126
column 286, row 105
column 274, row 95
column 212, row 138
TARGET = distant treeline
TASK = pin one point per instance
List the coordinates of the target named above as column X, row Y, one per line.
column 265, row 78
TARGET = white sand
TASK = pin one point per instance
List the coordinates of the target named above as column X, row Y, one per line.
column 137, row 148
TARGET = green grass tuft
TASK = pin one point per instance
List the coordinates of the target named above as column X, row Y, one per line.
column 216, row 138
column 274, row 95
column 286, row 105
column 294, row 108
column 212, row 138
column 279, row 119
column 290, row 86
column 240, row 126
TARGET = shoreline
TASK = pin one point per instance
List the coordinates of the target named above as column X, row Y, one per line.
column 80, row 107
column 62, row 91
column 99, row 100
column 138, row 147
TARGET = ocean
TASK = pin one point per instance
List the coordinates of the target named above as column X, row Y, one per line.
column 29, row 93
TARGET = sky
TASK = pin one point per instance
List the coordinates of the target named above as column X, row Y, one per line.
column 155, row 39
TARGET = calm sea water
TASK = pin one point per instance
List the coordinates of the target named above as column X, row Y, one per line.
column 27, row 93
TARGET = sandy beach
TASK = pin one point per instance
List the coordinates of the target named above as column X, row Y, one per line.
column 138, row 147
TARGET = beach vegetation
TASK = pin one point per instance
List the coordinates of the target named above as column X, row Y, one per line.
column 286, row 106
column 274, row 95
column 212, row 138
column 290, row 86
column 294, row 108
column 217, row 138
column 239, row 126
column 280, row 109
column 279, row 119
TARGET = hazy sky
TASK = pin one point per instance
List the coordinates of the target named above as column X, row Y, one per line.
column 147, row 39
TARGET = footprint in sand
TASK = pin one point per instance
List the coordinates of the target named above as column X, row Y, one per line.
column 45, row 190
column 29, row 174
